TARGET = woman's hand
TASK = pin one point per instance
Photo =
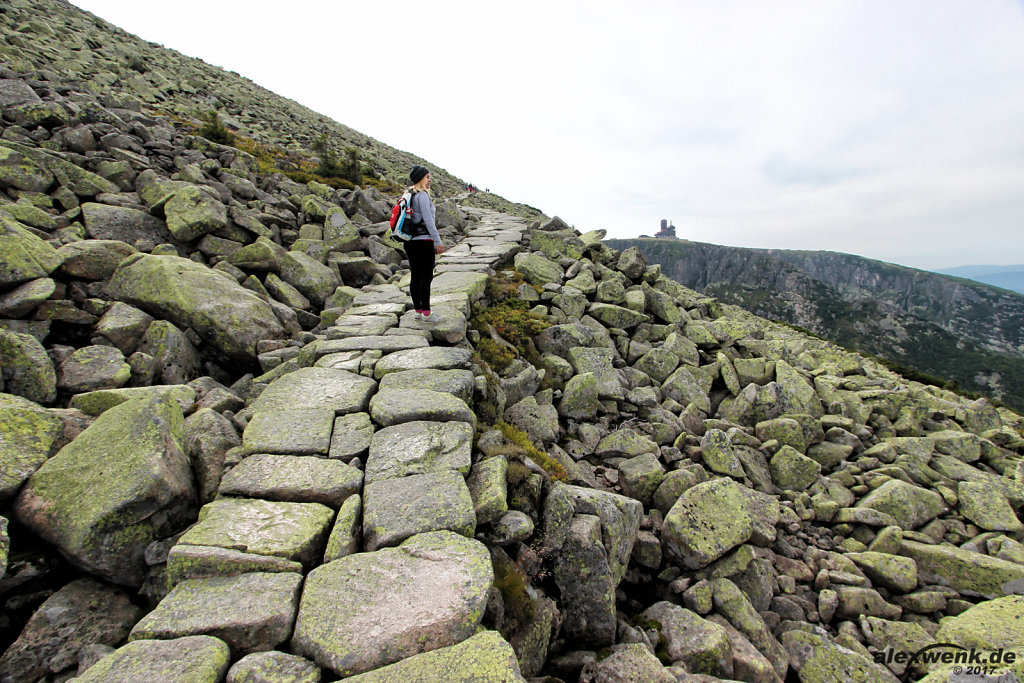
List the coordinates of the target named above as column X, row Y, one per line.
column 439, row 248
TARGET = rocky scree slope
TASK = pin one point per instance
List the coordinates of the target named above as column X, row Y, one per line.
column 675, row 489
column 945, row 327
column 73, row 50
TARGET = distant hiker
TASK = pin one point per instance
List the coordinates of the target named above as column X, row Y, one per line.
column 425, row 244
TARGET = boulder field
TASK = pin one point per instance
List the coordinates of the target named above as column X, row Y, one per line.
column 228, row 450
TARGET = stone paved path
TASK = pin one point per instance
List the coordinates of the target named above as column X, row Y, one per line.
column 346, row 535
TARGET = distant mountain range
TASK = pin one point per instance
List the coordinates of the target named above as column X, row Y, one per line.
column 954, row 329
column 1007, row 277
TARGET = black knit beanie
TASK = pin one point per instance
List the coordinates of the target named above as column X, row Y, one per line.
column 417, row 173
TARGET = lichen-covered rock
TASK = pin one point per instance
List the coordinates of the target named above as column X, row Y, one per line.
column 26, row 440
column 614, row 316
column 488, row 489
column 294, row 431
column 968, row 572
column 733, row 603
column 249, row 612
column 627, row 662
column 268, row 667
column 124, row 482
column 702, row 645
column 485, row 656
column 93, row 259
column 208, row 437
column 194, row 659
column 538, row 269
column 437, row 358
column 23, row 256
column 395, row 407
column 587, row 585
column 368, row 610
column 793, row 471
column 192, row 213
column 819, row 660
column 315, row 280
column 540, row 422
column 580, row 399
column 891, row 571
column 294, row 531
column 641, row 476
column 718, row 455
column 336, row 390
column 345, row 535
column 25, row 368
column 707, row 521
column 688, row 385
column 987, row 507
column 459, row 383
column 419, row 447
column 227, row 316
column 620, row 521
column 99, row 401
column 911, row 506
column 396, row 509
column 203, row 561
column 989, row 625
column 82, row 613
column 125, row 224
column 625, row 443
column 291, row 478
column 557, row 244
column 123, row 326
column 92, row 368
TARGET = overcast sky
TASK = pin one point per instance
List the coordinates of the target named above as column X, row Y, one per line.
column 893, row 129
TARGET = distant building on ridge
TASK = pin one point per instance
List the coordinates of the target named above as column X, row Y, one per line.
column 668, row 231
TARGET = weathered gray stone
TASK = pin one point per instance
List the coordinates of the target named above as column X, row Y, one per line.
column 396, row 509
column 336, row 390
column 911, row 506
column 294, row 531
column 202, row 562
column 266, row 667
column 351, row 436
column 249, row 612
column 293, row 478
column 292, row 431
column 437, row 358
column 702, row 645
column 620, row 521
column 707, row 521
column 395, row 406
column 194, row 659
column 586, row 584
column 368, row 610
column 82, row 613
column 122, row 483
column 93, row 367
column 344, row 538
column 26, row 441
column 25, row 368
column 419, row 447
column 227, row 316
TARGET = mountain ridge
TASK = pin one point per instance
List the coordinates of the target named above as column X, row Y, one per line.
column 965, row 330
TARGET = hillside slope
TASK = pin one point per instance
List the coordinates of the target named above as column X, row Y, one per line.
column 942, row 326
column 230, row 451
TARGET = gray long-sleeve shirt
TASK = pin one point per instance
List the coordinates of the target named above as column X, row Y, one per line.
column 423, row 210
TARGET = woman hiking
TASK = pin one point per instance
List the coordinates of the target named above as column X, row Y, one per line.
column 424, row 245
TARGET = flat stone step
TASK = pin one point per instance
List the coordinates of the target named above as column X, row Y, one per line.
column 368, row 610
column 249, row 612
column 397, row 509
column 294, row 531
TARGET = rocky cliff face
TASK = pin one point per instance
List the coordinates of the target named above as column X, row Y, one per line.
column 228, row 450
column 942, row 326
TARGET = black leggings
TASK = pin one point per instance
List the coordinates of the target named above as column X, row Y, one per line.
column 421, row 264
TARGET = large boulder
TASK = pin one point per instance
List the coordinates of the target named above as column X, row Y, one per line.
column 368, row 610
column 707, row 521
column 123, row 483
column 227, row 316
